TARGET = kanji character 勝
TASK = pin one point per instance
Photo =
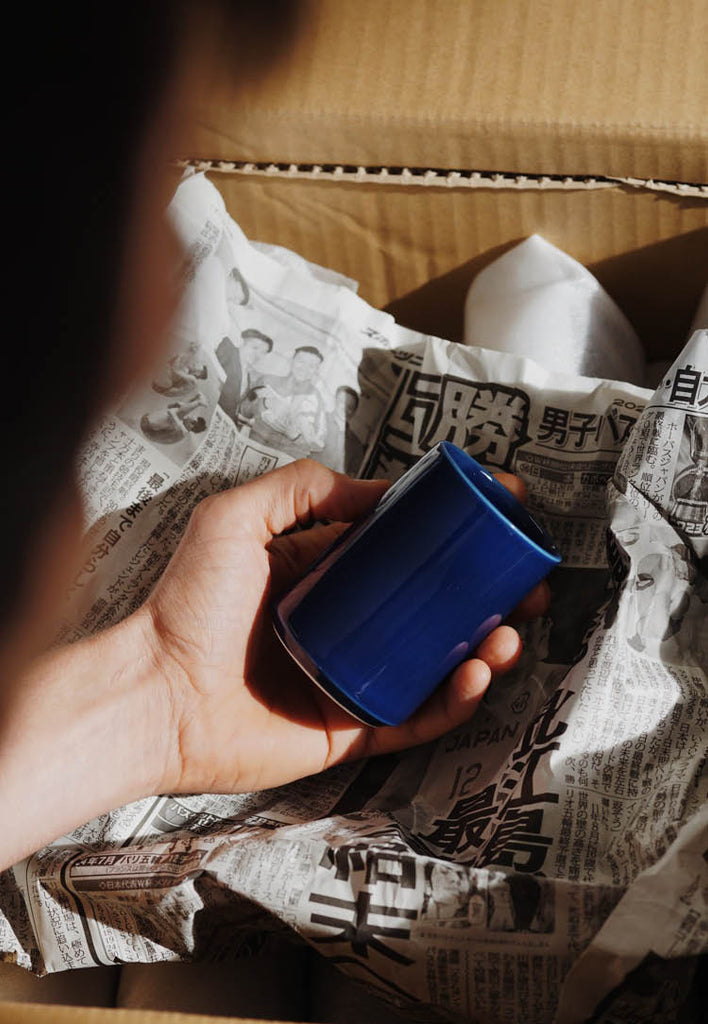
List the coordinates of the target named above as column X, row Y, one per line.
column 488, row 420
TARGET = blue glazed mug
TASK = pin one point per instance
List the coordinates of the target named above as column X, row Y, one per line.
column 405, row 595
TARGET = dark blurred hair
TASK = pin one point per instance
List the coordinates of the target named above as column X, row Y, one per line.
column 251, row 332
column 90, row 77
column 311, row 350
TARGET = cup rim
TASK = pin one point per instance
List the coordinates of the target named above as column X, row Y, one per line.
column 452, row 453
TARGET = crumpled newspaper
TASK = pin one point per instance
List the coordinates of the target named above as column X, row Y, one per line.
column 545, row 861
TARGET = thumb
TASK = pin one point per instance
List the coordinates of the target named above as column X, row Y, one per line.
column 304, row 492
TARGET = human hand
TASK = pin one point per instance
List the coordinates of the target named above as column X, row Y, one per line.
column 242, row 715
column 193, row 692
column 269, row 395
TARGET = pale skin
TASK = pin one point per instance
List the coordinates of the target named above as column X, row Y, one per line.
column 193, row 692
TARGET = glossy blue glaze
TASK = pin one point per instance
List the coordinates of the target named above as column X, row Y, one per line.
column 404, row 596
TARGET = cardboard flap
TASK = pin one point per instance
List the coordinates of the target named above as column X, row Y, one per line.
column 611, row 87
column 34, row 1013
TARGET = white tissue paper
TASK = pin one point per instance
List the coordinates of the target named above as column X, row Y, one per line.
column 537, row 301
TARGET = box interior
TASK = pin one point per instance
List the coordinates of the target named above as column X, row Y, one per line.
column 415, row 249
column 518, row 88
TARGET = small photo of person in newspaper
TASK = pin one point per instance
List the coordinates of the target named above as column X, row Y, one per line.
column 663, row 599
column 170, row 425
column 287, row 411
column 182, row 373
column 689, row 493
column 520, row 903
column 450, row 897
column 243, row 368
column 342, row 450
column 174, row 410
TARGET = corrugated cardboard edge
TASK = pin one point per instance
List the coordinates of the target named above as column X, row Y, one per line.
column 37, row 1013
column 430, row 177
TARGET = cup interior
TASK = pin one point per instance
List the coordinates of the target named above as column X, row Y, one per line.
column 499, row 499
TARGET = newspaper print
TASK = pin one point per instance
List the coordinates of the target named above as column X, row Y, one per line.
column 502, row 872
column 654, row 985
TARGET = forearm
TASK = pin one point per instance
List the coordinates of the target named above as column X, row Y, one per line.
column 84, row 731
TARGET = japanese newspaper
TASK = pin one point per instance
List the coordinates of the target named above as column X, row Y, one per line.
column 547, row 861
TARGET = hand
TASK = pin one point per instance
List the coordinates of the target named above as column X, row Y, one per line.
column 269, row 395
column 193, row 693
column 243, row 716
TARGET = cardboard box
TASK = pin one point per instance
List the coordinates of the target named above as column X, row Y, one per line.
column 406, row 143
column 29, row 1013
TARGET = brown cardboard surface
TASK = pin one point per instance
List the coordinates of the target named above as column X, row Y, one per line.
column 32, row 1013
column 416, row 250
column 287, row 982
column 611, row 87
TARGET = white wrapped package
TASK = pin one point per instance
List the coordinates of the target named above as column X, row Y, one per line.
column 538, row 302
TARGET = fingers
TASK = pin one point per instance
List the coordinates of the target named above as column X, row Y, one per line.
column 451, row 705
column 500, row 650
column 306, row 491
column 512, row 483
column 535, row 604
column 457, row 699
column 537, row 601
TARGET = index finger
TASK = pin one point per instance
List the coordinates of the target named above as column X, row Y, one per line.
column 512, row 483
column 304, row 492
column 536, row 602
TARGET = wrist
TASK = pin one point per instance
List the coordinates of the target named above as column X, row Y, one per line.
column 84, row 731
column 155, row 679
column 140, row 706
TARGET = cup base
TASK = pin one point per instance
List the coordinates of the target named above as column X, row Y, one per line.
column 320, row 679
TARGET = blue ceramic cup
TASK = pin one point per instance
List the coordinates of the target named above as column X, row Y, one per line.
column 405, row 595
